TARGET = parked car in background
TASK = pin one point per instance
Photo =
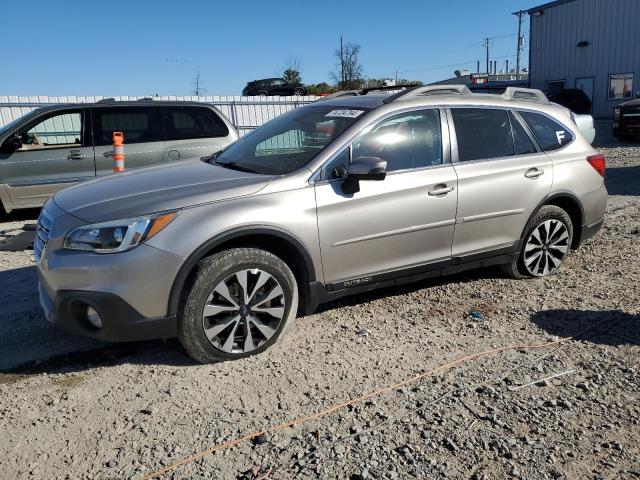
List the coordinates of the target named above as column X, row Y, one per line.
column 573, row 98
column 327, row 200
column 274, row 86
column 56, row 146
column 626, row 119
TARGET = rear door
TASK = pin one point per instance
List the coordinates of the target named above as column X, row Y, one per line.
column 56, row 152
column 142, row 129
column 192, row 132
column 502, row 178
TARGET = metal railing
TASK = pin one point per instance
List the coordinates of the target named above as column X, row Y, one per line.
column 245, row 113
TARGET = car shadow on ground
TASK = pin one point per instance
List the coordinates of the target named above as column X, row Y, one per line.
column 30, row 345
column 607, row 327
column 623, row 180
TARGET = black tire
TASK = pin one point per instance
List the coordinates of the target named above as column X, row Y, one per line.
column 516, row 268
column 298, row 92
column 211, row 272
column 263, row 94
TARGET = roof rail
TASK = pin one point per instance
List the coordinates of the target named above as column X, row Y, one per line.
column 364, row 91
column 518, row 93
column 413, row 93
column 106, row 100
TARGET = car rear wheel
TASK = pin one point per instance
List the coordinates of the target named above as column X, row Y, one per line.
column 263, row 94
column 298, row 92
column 546, row 243
column 240, row 302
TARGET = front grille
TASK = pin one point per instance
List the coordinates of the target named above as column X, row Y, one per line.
column 42, row 235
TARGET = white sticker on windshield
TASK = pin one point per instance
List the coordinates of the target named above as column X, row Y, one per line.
column 345, row 113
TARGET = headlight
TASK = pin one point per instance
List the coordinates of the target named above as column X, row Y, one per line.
column 117, row 235
column 616, row 113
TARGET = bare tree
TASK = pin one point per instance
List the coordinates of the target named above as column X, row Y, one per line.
column 349, row 74
column 197, row 85
column 292, row 70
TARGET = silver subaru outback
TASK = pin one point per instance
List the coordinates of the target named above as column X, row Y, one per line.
column 334, row 198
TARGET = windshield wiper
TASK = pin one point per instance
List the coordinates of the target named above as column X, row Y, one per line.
column 235, row 166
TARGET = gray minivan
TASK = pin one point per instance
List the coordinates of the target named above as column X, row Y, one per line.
column 55, row 146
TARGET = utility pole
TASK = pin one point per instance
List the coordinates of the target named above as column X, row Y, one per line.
column 486, row 44
column 519, row 14
column 341, row 63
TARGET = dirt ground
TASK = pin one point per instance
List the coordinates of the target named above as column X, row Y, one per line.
column 71, row 408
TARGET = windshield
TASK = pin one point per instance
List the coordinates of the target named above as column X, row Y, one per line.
column 290, row 141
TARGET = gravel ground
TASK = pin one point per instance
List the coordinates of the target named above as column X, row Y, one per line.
column 74, row 408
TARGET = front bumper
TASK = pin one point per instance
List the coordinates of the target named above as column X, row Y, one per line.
column 120, row 321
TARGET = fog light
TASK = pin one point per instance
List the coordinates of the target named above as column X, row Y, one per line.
column 94, row 318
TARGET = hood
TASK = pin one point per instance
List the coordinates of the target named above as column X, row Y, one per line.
column 154, row 189
column 631, row 103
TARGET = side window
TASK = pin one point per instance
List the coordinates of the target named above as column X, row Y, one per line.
column 57, row 131
column 521, row 140
column 549, row 134
column 138, row 124
column 482, row 133
column 405, row 141
column 193, row 122
column 338, row 167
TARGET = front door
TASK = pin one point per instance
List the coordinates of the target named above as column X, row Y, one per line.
column 502, row 178
column 586, row 85
column 56, row 152
column 143, row 139
column 404, row 222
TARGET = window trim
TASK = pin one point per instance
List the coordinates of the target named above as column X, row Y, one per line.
column 315, row 178
column 527, row 131
column 618, row 99
column 85, row 136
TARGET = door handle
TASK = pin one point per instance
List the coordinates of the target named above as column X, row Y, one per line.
column 76, row 156
column 440, row 190
column 533, row 173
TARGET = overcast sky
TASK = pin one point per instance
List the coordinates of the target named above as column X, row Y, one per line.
column 135, row 47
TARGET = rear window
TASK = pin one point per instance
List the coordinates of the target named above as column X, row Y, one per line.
column 482, row 133
column 138, row 124
column 183, row 123
column 521, row 140
column 549, row 134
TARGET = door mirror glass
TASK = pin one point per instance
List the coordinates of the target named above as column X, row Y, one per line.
column 364, row 168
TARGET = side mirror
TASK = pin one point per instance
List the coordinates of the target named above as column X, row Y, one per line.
column 11, row 144
column 364, row 168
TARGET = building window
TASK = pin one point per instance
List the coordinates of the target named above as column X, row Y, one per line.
column 555, row 86
column 620, row 86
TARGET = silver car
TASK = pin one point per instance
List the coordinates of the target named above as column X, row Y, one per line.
column 334, row 198
column 53, row 147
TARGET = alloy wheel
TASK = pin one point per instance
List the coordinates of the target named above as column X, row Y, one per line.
column 546, row 248
column 243, row 311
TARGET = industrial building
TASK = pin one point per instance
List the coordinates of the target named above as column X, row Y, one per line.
column 593, row 45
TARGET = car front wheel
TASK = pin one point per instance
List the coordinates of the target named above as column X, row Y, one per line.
column 239, row 303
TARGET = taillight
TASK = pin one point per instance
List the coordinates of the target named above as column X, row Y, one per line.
column 598, row 162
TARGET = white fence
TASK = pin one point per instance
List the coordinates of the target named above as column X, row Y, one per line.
column 246, row 113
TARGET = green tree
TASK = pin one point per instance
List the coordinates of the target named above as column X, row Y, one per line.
column 292, row 68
